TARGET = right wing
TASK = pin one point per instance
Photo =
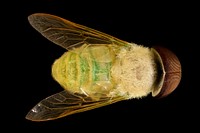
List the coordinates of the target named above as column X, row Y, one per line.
column 64, row 103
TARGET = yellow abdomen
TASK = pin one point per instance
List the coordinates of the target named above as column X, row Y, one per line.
column 85, row 70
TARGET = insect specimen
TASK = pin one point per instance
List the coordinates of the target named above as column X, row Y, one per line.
column 98, row 69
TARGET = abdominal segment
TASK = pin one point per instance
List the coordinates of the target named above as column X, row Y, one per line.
column 85, row 70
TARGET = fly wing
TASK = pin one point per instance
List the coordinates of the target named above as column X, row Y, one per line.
column 68, row 34
column 64, row 103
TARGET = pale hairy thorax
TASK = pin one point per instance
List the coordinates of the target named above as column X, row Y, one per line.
column 134, row 71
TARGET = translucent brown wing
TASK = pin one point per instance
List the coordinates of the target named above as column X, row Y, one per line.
column 65, row 103
column 68, row 34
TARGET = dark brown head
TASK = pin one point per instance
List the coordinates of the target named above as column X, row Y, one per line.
column 171, row 72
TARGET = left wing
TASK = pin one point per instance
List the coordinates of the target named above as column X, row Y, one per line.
column 65, row 103
column 68, row 34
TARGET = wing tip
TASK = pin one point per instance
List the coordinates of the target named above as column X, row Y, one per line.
column 34, row 16
column 38, row 113
column 32, row 117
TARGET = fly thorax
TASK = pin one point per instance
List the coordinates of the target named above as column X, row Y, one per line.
column 134, row 72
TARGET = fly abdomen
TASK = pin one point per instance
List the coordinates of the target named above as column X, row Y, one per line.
column 85, row 70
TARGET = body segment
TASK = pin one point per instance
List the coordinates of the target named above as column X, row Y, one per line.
column 86, row 70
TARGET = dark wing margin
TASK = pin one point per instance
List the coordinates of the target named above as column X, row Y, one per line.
column 64, row 103
column 68, row 34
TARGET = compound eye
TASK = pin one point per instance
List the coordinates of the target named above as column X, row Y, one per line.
column 171, row 70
